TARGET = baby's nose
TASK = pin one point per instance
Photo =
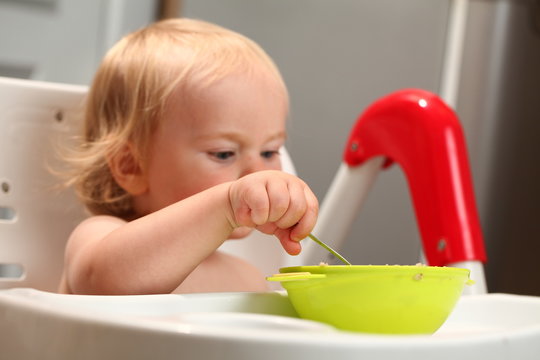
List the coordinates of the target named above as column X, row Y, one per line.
column 254, row 164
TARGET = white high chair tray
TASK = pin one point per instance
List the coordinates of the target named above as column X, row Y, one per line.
column 35, row 324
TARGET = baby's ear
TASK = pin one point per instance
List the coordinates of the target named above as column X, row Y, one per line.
column 127, row 171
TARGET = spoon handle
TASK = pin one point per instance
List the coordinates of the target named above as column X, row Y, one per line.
column 329, row 249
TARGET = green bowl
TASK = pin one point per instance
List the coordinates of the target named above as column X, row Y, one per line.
column 375, row 299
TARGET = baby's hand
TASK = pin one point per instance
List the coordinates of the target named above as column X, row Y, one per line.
column 275, row 202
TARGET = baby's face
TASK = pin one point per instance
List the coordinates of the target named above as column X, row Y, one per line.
column 232, row 128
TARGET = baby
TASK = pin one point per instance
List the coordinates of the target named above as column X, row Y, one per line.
column 183, row 128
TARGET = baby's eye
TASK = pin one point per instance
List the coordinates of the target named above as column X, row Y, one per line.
column 222, row 155
column 269, row 154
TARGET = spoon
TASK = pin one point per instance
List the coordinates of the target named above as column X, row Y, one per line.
column 329, row 249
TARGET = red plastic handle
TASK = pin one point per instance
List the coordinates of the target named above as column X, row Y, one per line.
column 416, row 129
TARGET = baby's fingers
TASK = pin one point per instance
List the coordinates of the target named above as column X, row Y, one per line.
column 306, row 224
column 279, row 198
column 291, row 247
column 295, row 208
column 251, row 206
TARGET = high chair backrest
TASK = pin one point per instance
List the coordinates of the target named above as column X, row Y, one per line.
column 36, row 215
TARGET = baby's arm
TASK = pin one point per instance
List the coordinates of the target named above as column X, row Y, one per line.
column 155, row 253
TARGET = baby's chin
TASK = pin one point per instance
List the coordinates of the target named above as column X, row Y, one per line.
column 241, row 232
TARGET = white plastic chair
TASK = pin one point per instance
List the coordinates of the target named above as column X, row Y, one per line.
column 37, row 323
column 35, row 216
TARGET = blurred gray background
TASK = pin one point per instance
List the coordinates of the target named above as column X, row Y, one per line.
column 337, row 57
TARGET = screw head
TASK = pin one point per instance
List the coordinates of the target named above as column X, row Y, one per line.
column 441, row 245
column 59, row 116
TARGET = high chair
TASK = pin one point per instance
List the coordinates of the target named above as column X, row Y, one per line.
column 36, row 218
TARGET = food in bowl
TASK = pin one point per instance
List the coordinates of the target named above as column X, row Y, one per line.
column 375, row 298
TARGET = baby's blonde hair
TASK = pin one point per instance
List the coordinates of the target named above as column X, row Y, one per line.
column 130, row 91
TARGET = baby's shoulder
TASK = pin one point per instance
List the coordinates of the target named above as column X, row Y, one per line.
column 94, row 227
column 99, row 221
